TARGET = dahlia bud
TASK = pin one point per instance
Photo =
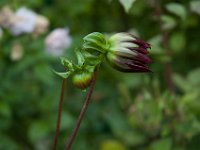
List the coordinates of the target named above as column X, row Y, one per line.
column 82, row 79
column 127, row 53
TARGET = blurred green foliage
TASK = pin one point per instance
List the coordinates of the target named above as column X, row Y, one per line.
column 128, row 111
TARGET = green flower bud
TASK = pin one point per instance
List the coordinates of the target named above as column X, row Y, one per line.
column 82, row 79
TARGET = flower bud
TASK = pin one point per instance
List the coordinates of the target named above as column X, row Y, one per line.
column 82, row 79
column 127, row 53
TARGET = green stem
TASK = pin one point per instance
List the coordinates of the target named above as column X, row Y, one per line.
column 81, row 115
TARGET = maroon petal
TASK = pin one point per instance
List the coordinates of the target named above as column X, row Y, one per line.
column 138, row 68
column 142, row 43
column 140, row 50
column 142, row 58
column 120, row 66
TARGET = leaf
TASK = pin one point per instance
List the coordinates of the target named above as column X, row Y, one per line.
column 67, row 121
column 156, row 47
column 168, row 22
column 177, row 41
column 121, row 129
column 63, row 74
column 194, row 6
column 162, row 144
column 193, row 77
column 181, row 82
column 5, row 110
column 177, row 9
column 80, row 57
column 43, row 73
column 69, row 65
column 7, row 142
column 38, row 130
column 127, row 4
column 112, row 145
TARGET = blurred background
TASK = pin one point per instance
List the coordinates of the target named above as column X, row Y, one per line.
column 154, row 111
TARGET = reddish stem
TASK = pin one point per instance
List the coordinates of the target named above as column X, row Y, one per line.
column 81, row 115
column 59, row 114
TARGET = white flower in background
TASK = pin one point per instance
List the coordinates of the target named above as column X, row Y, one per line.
column 6, row 17
column 41, row 26
column 16, row 52
column 24, row 21
column 58, row 41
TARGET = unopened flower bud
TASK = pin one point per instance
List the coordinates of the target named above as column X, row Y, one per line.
column 127, row 53
column 82, row 79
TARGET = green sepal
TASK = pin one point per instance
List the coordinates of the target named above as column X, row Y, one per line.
column 95, row 37
column 95, row 41
column 63, row 74
column 66, row 63
column 80, row 57
column 90, row 69
column 92, row 46
column 91, row 59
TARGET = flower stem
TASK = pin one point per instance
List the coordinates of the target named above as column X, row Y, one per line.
column 59, row 114
column 81, row 115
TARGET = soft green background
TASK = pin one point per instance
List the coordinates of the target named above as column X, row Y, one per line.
column 128, row 111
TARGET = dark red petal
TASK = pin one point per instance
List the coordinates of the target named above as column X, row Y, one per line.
column 142, row 58
column 139, row 58
column 139, row 68
column 120, row 66
column 139, row 49
column 142, row 43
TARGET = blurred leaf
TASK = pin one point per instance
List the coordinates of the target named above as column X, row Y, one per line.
column 162, row 144
column 112, row 145
column 43, row 73
column 67, row 121
column 7, row 143
column 168, row 22
column 38, row 130
column 5, row 109
column 181, row 82
column 194, row 6
column 194, row 77
column 188, row 99
column 163, row 58
column 177, row 42
column 157, row 51
column 121, row 128
column 177, row 9
column 133, row 83
column 5, row 116
column 189, row 128
column 127, row 4
column 156, row 47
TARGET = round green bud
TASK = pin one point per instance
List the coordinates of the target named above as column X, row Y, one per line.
column 82, row 80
